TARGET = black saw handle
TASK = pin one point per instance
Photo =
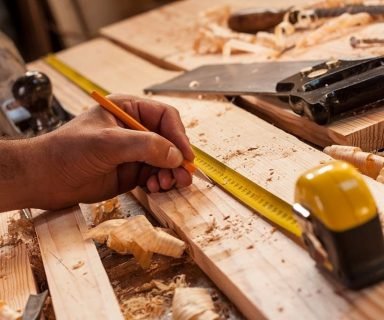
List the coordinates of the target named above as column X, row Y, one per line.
column 252, row 20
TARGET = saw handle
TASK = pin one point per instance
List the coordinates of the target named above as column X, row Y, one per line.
column 252, row 20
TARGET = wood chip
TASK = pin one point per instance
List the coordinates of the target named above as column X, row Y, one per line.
column 136, row 235
column 7, row 313
column 78, row 265
column 193, row 303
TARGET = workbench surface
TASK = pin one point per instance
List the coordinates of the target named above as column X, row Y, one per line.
column 261, row 270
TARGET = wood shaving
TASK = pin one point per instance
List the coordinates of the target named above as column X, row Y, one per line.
column 78, row 265
column 333, row 28
column 212, row 226
column 194, row 84
column 136, row 235
column 7, row 313
column 192, row 124
column 214, row 36
column 367, row 163
column 193, row 304
column 105, row 210
column 234, row 46
column 101, row 233
column 213, row 33
column 151, row 300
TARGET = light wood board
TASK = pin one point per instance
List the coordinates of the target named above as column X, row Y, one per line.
column 261, row 270
column 166, row 38
column 165, row 35
column 78, row 283
column 16, row 278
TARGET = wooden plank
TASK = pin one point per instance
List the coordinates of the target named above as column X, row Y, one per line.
column 166, row 38
column 16, row 278
column 77, row 280
column 161, row 35
column 69, row 23
column 262, row 271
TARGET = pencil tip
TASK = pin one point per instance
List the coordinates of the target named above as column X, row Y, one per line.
column 201, row 175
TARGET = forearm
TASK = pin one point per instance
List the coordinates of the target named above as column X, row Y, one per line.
column 17, row 162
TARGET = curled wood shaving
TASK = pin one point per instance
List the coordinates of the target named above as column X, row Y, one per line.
column 234, row 45
column 335, row 27
column 7, row 313
column 218, row 15
column 137, row 236
column 151, row 300
column 101, row 232
column 214, row 36
column 105, row 210
column 367, row 163
column 193, row 304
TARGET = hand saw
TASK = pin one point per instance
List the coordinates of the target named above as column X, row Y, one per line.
column 321, row 91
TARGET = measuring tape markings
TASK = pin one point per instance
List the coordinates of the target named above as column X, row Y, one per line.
column 245, row 190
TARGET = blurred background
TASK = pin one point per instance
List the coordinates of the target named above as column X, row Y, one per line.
column 41, row 26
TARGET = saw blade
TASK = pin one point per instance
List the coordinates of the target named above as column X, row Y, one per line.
column 233, row 79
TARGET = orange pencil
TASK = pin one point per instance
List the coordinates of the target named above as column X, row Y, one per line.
column 134, row 124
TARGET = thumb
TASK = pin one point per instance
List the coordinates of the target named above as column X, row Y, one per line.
column 124, row 145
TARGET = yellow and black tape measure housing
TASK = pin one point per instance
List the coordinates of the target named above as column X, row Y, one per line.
column 343, row 216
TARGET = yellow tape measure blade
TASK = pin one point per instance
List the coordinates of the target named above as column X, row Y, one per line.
column 248, row 192
column 74, row 76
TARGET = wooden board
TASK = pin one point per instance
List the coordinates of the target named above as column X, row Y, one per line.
column 166, row 38
column 261, row 270
column 16, row 278
column 78, row 283
column 162, row 35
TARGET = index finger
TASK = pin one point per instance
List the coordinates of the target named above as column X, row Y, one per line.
column 158, row 117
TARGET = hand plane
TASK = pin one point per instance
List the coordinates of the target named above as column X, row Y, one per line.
column 33, row 109
column 321, row 91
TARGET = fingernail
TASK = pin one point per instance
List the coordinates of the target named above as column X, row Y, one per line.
column 174, row 157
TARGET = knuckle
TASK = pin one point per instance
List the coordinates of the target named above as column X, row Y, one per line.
column 174, row 110
column 104, row 137
column 154, row 145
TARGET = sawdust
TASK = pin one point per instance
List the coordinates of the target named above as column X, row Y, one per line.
column 151, row 300
column 242, row 152
column 192, row 124
column 21, row 230
column 78, row 265
column 211, row 226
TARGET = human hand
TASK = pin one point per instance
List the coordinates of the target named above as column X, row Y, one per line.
column 95, row 157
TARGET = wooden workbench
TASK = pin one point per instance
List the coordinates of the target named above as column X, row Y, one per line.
column 261, row 270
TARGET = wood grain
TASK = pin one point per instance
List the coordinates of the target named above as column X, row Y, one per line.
column 261, row 270
column 78, row 283
column 16, row 278
column 166, row 38
column 164, row 35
